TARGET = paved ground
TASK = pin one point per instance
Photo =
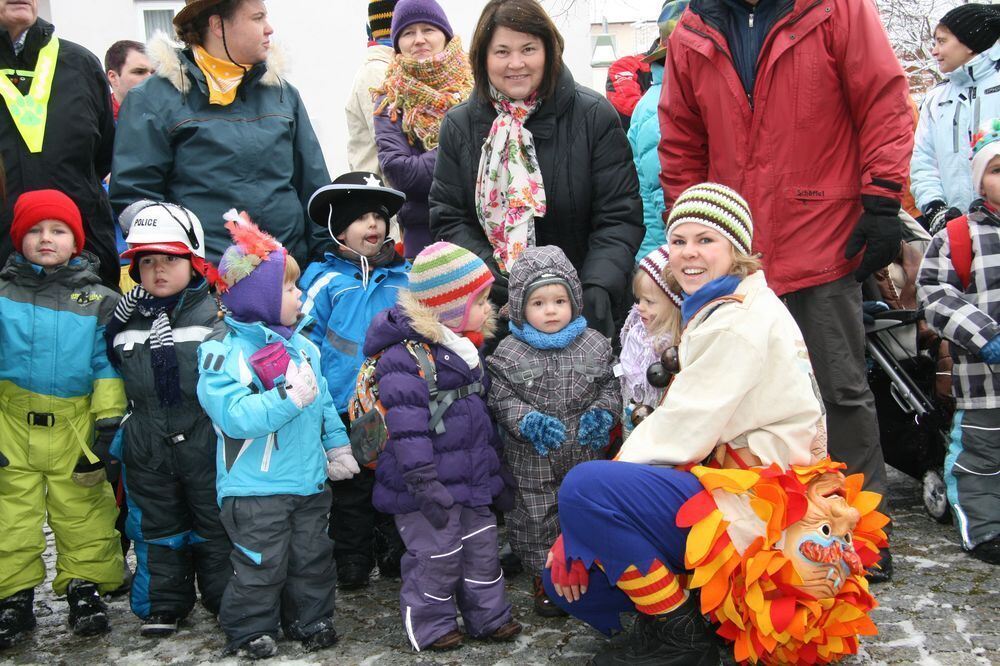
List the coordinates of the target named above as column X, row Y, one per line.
column 943, row 608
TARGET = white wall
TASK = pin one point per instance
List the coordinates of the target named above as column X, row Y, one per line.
column 325, row 46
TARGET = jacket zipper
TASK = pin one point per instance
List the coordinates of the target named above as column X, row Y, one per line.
column 265, row 463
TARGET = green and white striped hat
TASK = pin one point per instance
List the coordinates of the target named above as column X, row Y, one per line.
column 717, row 207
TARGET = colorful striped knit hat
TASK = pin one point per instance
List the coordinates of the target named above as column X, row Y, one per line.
column 447, row 279
column 655, row 265
column 717, row 207
column 985, row 146
column 380, row 17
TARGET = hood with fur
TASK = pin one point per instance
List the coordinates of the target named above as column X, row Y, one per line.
column 540, row 263
column 410, row 320
column 165, row 54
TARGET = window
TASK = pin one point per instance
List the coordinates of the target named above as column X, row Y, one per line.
column 156, row 16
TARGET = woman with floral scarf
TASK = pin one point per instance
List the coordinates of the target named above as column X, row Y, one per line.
column 535, row 159
column 429, row 75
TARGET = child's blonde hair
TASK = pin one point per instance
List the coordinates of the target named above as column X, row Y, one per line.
column 292, row 270
column 667, row 322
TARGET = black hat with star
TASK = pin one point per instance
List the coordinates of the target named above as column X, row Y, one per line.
column 349, row 197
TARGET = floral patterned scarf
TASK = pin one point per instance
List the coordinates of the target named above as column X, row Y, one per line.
column 509, row 189
column 422, row 91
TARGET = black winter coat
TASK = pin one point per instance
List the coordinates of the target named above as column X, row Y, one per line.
column 591, row 188
column 76, row 154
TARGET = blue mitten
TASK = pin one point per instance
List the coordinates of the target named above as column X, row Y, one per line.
column 546, row 432
column 595, row 428
column 991, row 351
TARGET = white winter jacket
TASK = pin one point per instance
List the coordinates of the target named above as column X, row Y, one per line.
column 745, row 380
column 941, row 168
column 361, row 152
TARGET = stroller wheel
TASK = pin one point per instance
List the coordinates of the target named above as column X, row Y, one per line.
column 935, row 497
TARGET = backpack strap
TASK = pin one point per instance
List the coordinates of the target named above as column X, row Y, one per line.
column 960, row 242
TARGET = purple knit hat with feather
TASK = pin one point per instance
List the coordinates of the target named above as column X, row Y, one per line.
column 251, row 272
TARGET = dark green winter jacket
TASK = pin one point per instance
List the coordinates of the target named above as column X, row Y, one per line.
column 258, row 154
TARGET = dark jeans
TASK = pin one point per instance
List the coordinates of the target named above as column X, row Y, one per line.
column 829, row 316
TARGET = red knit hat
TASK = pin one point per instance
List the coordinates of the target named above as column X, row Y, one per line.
column 33, row 207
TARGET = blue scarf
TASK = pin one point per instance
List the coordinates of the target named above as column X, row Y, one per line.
column 530, row 335
column 717, row 288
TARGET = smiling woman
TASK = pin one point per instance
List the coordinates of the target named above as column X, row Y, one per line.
column 534, row 159
column 429, row 75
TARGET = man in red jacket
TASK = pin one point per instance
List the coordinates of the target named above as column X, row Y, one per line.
column 801, row 106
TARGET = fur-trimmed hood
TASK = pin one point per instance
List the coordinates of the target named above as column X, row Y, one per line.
column 166, row 56
column 410, row 320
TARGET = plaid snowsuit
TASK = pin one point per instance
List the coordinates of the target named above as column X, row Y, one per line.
column 563, row 383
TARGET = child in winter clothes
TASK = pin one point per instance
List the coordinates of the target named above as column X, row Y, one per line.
column 440, row 483
column 168, row 443
column 60, row 405
column 651, row 327
column 969, row 57
column 279, row 439
column 361, row 277
column 968, row 316
column 553, row 394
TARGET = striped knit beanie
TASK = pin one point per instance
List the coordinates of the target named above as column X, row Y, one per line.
column 446, row 279
column 380, row 18
column 985, row 146
column 654, row 265
column 717, row 207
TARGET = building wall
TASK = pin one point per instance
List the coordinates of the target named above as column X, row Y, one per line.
column 324, row 45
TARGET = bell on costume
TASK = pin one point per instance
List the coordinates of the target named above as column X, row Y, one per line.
column 659, row 374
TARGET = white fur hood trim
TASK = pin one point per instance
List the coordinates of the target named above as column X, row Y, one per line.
column 165, row 55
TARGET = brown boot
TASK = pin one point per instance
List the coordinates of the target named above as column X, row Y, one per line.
column 506, row 632
column 449, row 641
column 543, row 605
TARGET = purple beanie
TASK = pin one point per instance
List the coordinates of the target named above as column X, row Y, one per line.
column 408, row 12
column 257, row 297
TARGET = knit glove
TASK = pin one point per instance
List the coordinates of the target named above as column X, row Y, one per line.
column 340, row 463
column 546, row 432
column 938, row 214
column 504, row 501
column 879, row 232
column 991, row 351
column 595, row 427
column 432, row 497
column 300, row 384
column 566, row 575
column 597, row 310
column 3, row 460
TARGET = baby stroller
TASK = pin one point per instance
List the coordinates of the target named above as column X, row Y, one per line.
column 905, row 363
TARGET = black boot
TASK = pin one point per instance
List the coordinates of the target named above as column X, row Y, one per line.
column 17, row 616
column 322, row 636
column 680, row 638
column 988, row 551
column 544, row 606
column 353, row 573
column 389, row 550
column 88, row 614
column 159, row 625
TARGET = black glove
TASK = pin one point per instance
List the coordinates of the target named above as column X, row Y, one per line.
column 597, row 310
column 879, row 232
column 3, row 460
column 504, row 501
column 104, row 436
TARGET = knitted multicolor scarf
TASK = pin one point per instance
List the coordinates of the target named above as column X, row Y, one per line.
column 510, row 193
column 423, row 91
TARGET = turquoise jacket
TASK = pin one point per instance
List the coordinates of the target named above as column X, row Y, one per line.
column 343, row 305
column 644, row 137
column 267, row 445
column 53, row 358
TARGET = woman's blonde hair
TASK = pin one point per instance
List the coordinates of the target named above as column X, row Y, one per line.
column 669, row 323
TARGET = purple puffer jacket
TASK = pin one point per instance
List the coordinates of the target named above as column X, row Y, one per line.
column 467, row 454
column 409, row 169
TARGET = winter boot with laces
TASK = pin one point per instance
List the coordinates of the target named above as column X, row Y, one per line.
column 17, row 616
column 680, row 638
column 88, row 614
